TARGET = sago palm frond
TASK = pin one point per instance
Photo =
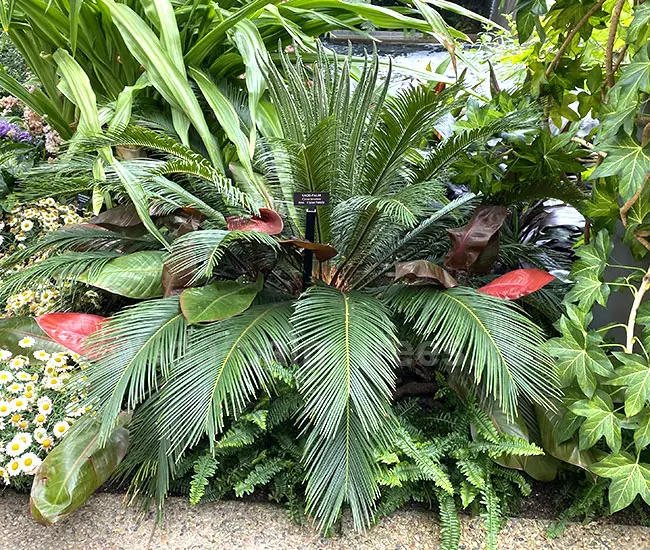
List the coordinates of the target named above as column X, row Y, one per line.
column 131, row 353
column 222, row 368
column 347, row 351
column 199, row 252
column 487, row 338
column 70, row 265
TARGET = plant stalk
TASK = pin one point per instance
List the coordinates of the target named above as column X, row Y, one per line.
column 631, row 321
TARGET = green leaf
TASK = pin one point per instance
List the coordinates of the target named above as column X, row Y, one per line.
column 467, row 493
column 76, row 468
column 14, row 329
column 219, row 300
column 636, row 75
column 642, row 432
column 601, row 421
column 639, row 30
column 626, row 159
column 347, row 352
column 578, row 356
column 137, row 275
column 629, row 479
column 587, row 273
column 634, row 375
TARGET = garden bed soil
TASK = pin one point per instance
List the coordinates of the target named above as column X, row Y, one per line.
column 105, row 524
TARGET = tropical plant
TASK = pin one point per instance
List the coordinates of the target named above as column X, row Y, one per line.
column 222, row 306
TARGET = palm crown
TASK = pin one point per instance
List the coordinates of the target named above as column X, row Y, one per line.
column 221, row 307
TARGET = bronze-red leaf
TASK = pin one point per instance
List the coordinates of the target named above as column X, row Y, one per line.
column 70, row 329
column 424, row 272
column 323, row 252
column 481, row 234
column 269, row 222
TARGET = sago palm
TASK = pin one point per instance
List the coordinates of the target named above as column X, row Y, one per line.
column 234, row 305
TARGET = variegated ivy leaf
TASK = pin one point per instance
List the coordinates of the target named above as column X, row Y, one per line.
column 587, row 273
column 634, row 376
column 642, row 432
column 627, row 159
column 629, row 479
column 636, row 75
column 601, row 421
column 578, row 356
column 639, row 30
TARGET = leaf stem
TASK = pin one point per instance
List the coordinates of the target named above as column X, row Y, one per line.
column 609, row 52
column 638, row 298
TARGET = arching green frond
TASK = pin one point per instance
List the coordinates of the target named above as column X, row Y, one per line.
column 487, row 338
column 347, row 351
column 222, row 368
column 130, row 353
column 70, row 265
column 198, row 253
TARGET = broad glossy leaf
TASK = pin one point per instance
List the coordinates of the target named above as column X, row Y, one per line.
column 219, row 300
column 627, row 159
column 121, row 216
column 75, row 469
column 629, row 479
column 601, row 421
column 639, row 29
column 472, row 240
column 587, row 272
column 517, row 283
column 137, row 275
column 568, row 451
column 636, row 75
column 14, row 329
column 70, row 329
column 269, row 222
column 422, row 271
column 634, row 376
column 578, row 356
column 642, row 432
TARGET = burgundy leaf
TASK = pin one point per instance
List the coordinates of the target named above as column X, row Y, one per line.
column 269, row 222
column 517, row 283
column 470, row 241
column 70, row 329
column 421, row 271
column 323, row 252
column 124, row 215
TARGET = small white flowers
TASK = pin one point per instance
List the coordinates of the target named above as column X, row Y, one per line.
column 60, row 428
column 34, row 413
column 27, row 342
column 26, row 225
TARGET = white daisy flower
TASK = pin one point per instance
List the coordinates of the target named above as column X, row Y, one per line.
column 60, row 428
column 26, row 225
column 41, row 355
column 40, row 434
column 14, row 468
column 23, row 376
column 20, row 403
column 40, row 419
column 5, row 355
column 53, row 383
column 5, row 377
column 25, row 437
column 17, row 363
column 5, row 408
column 15, row 388
column 29, row 462
column 47, row 443
column 27, row 342
column 15, row 447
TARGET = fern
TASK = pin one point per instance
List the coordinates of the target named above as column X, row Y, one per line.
column 262, row 474
column 204, row 468
column 449, row 521
column 491, row 516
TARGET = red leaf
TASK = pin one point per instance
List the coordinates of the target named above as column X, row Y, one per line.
column 424, row 272
column 323, row 252
column 269, row 222
column 517, row 283
column 70, row 329
column 480, row 236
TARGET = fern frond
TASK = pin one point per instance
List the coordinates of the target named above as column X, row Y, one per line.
column 261, row 475
column 449, row 521
column 204, row 468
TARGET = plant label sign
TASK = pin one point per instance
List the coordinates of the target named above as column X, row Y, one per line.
column 311, row 199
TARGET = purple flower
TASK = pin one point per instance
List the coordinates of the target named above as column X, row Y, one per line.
column 12, row 131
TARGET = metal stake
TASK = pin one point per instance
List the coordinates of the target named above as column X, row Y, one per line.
column 310, row 229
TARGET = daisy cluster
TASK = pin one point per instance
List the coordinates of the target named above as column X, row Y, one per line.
column 22, row 225
column 35, row 413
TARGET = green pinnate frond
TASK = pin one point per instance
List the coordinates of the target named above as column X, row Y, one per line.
column 204, row 468
column 449, row 521
column 261, row 475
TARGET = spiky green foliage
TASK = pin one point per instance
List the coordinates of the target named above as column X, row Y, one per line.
column 347, row 351
column 204, row 468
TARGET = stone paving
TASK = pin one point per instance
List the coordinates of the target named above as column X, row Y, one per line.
column 105, row 524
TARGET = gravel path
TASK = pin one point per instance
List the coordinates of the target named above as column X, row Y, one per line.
column 104, row 524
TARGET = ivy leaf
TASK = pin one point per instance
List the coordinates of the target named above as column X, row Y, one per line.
column 626, row 159
column 578, row 356
column 587, row 273
column 639, row 30
column 634, row 375
column 601, row 421
column 603, row 203
column 629, row 479
column 642, row 432
column 636, row 76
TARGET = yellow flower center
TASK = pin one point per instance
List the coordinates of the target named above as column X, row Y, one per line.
column 46, row 443
column 28, row 462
